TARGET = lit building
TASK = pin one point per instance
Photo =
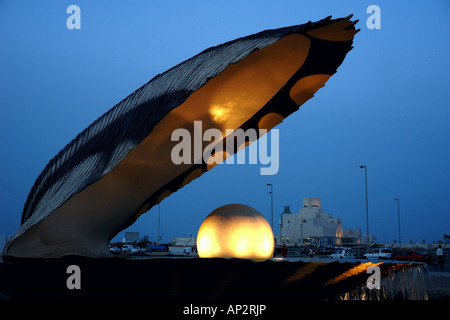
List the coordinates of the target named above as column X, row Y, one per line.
column 312, row 226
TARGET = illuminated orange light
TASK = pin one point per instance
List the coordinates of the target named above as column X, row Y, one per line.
column 351, row 272
column 235, row 231
column 219, row 112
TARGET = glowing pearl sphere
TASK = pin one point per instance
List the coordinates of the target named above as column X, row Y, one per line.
column 235, row 231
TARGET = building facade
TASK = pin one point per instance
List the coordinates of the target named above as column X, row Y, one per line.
column 313, row 226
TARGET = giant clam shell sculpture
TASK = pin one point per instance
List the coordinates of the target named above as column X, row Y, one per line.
column 120, row 166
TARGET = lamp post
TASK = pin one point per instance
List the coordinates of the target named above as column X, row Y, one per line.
column 271, row 204
column 399, row 236
column 367, row 207
column 279, row 227
column 301, row 225
column 159, row 217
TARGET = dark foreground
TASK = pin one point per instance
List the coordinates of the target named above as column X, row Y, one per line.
column 179, row 279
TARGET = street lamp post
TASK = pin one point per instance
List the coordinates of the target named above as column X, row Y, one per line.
column 301, row 225
column 367, row 208
column 279, row 226
column 399, row 235
column 271, row 205
column 159, row 217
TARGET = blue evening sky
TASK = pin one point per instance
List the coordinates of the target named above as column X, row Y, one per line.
column 387, row 107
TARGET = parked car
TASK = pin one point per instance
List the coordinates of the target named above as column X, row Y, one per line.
column 413, row 256
column 127, row 248
column 114, row 250
column 342, row 254
column 379, row 253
